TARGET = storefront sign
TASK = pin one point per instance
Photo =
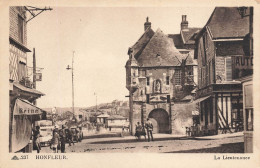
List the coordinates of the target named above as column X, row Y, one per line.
column 24, row 108
column 243, row 62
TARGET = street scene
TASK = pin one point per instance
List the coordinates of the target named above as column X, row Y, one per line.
column 131, row 80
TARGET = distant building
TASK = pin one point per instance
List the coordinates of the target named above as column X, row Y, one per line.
column 158, row 75
column 220, row 51
column 117, row 122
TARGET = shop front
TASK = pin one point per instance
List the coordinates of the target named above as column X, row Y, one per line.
column 221, row 108
column 248, row 110
column 23, row 117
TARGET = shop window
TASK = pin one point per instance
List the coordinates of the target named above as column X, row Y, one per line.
column 249, row 119
column 167, row 80
column 20, row 29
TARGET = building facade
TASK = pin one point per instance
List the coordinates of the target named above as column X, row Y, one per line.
column 158, row 75
column 220, row 53
column 22, row 109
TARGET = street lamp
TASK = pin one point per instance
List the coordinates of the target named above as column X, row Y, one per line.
column 72, row 74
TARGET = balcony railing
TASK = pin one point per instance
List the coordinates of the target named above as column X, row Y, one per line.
column 25, row 81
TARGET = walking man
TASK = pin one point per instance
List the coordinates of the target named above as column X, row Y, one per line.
column 62, row 139
column 36, row 139
column 149, row 128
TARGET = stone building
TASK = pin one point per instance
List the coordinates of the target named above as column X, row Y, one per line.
column 156, row 77
column 22, row 109
column 220, row 51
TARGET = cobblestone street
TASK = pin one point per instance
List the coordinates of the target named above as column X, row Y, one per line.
column 162, row 143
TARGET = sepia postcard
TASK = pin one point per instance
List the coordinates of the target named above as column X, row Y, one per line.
column 129, row 84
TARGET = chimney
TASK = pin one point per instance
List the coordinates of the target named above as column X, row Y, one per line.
column 184, row 22
column 147, row 24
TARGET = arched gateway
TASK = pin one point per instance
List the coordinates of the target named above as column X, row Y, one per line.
column 160, row 120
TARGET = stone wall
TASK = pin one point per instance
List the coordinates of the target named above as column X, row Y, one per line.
column 182, row 117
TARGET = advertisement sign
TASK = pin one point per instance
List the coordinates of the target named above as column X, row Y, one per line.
column 24, row 108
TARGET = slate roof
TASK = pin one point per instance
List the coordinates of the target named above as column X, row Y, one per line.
column 189, row 34
column 226, row 22
column 160, row 51
column 142, row 42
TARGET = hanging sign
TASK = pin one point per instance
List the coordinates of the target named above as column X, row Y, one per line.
column 38, row 76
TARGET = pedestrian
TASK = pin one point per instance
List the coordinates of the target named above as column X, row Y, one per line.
column 62, row 139
column 149, row 128
column 138, row 130
column 36, row 139
column 55, row 140
column 70, row 137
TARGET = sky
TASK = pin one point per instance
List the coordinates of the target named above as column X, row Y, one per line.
column 100, row 37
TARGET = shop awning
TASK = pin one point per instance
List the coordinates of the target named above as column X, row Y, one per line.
column 29, row 90
column 24, row 114
column 200, row 99
column 23, row 107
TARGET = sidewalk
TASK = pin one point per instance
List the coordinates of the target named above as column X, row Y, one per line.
column 220, row 136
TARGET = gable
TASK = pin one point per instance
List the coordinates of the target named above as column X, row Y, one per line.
column 160, row 51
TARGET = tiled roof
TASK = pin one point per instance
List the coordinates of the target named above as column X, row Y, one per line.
column 189, row 34
column 142, row 42
column 160, row 51
column 176, row 40
column 226, row 22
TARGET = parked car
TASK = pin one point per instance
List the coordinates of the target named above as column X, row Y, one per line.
column 46, row 129
column 46, row 135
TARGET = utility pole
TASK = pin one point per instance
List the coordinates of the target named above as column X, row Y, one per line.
column 72, row 75
column 34, row 73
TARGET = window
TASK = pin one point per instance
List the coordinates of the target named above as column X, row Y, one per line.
column 210, row 111
column 167, row 80
column 147, row 98
column 20, row 29
column 177, row 77
column 80, row 116
column 147, row 81
column 168, row 99
column 228, row 69
column 249, row 119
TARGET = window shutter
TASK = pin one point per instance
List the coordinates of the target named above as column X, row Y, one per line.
column 228, row 69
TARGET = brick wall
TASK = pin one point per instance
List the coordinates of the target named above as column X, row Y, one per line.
column 13, row 18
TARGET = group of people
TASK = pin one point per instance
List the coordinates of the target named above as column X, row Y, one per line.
column 140, row 131
column 58, row 141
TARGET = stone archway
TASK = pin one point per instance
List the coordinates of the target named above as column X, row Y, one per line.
column 160, row 120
